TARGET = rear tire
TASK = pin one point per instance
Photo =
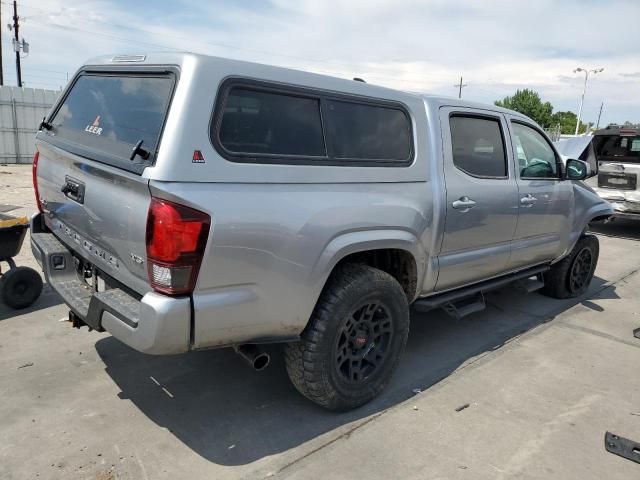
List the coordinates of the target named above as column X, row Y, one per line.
column 354, row 340
column 20, row 287
column 571, row 276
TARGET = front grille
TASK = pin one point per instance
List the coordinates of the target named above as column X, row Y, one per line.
column 619, row 181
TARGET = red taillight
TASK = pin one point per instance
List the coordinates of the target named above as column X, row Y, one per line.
column 176, row 238
column 34, row 172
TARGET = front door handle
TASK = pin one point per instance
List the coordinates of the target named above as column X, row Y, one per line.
column 463, row 203
column 528, row 200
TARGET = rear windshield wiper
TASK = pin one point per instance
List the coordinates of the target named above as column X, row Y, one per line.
column 138, row 150
column 45, row 125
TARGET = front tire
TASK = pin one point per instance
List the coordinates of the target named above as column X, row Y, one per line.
column 571, row 276
column 354, row 340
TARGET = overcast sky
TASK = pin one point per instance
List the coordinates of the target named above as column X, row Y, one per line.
column 497, row 46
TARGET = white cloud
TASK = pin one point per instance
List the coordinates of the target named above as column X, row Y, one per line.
column 497, row 46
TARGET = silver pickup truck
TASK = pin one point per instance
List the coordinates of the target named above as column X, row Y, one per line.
column 189, row 202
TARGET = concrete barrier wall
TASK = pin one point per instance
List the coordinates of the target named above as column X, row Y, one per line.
column 21, row 111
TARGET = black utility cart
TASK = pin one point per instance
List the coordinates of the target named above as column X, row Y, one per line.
column 19, row 286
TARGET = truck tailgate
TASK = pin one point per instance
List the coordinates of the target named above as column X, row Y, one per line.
column 104, row 220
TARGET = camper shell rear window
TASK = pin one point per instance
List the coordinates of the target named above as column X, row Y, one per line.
column 104, row 115
column 618, row 148
column 259, row 122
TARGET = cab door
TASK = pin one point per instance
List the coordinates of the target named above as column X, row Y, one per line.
column 481, row 196
column 545, row 200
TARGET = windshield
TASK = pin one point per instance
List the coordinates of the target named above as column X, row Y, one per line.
column 110, row 114
column 617, row 148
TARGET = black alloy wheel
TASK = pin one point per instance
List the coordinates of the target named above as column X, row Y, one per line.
column 363, row 344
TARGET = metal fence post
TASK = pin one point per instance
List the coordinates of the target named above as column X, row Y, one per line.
column 16, row 134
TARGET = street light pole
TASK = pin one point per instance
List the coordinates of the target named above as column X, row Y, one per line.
column 584, row 90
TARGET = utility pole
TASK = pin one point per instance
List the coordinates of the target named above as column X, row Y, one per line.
column 460, row 86
column 17, row 44
column 584, row 90
column 600, row 113
column 1, row 74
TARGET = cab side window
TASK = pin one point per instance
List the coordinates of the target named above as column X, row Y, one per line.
column 535, row 156
column 478, row 146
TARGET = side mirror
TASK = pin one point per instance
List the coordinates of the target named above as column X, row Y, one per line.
column 577, row 170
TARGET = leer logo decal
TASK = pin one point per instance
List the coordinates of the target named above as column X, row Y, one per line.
column 94, row 127
column 197, row 157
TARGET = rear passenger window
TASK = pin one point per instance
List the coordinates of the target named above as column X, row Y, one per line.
column 478, row 146
column 258, row 122
column 368, row 132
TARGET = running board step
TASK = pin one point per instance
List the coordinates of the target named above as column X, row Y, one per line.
column 528, row 285
column 465, row 306
column 454, row 296
column 621, row 446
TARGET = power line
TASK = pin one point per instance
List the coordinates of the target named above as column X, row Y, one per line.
column 307, row 60
column 28, row 82
column 46, row 70
column 40, row 73
column 42, row 86
column 189, row 40
column 129, row 42
column 44, row 77
column 395, row 80
column 186, row 39
column 113, row 37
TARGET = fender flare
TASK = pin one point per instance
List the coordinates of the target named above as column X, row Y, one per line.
column 348, row 243
column 595, row 211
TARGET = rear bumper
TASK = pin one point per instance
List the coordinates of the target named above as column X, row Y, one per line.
column 155, row 324
column 625, row 203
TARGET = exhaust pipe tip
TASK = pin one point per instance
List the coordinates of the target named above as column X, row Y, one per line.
column 261, row 362
column 255, row 356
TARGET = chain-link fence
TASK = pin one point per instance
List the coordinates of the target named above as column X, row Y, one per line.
column 554, row 132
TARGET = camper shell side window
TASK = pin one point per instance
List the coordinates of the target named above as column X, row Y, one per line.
column 261, row 122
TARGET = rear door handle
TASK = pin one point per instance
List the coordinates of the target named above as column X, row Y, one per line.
column 528, row 201
column 463, row 203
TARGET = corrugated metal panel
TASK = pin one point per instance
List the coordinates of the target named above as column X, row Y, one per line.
column 21, row 111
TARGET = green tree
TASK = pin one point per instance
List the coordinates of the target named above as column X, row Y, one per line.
column 567, row 121
column 528, row 102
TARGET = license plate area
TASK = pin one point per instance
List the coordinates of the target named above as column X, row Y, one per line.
column 620, row 181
